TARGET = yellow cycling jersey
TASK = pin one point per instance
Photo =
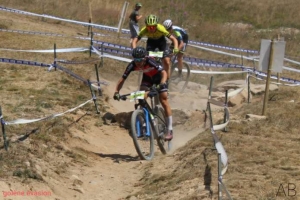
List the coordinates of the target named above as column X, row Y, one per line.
column 160, row 32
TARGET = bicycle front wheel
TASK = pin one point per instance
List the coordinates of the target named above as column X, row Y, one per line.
column 162, row 129
column 142, row 138
column 176, row 78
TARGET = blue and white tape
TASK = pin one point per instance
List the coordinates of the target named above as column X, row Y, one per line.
column 284, row 84
column 114, row 29
column 202, row 63
column 244, row 57
column 65, row 50
column 23, row 62
column 252, row 58
column 50, row 66
column 223, row 47
column 126, row 31
column 205, row 63
column 110, row 56
column 103, row 27
column 27, row 121
column 43, row 33
column 77, row 62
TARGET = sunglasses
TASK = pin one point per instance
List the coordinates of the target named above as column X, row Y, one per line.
column 138, row 59
column 150, row 28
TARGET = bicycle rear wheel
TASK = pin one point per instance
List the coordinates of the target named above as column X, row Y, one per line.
column 161, row 129
column 143, row 141
column 175, row 78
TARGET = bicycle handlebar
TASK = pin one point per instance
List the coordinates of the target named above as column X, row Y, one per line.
column 152, row 92
column 124, row 97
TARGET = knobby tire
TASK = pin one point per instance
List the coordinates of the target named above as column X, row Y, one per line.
column 161, row 127
column 137, row 119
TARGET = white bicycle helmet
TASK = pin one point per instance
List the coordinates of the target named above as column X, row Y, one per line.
column 167, row 24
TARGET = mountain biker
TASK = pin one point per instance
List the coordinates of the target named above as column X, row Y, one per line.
column 156, row 34
column 153, row 73
column 133, row 23
column 182, row 38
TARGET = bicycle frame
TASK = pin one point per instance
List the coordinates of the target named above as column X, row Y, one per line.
column 147, row 109
column 147, row 123
column 143, row 126
column 148, row 112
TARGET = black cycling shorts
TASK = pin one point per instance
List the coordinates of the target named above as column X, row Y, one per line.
column 160, row 44
column 185, row 39
column 148, row 81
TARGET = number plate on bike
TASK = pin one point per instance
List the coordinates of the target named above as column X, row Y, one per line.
column 158, row 54
column 137, row 95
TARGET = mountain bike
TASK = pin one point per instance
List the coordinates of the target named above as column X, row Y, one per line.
column 175, row 78
column 147, row 123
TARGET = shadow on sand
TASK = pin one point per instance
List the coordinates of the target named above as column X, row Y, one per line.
column 117, row 158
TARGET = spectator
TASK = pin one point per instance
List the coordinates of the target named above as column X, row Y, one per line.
column 134, row 19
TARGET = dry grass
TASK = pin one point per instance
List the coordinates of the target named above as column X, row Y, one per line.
column 204, row 20
column 32, row 92
column 262, row 154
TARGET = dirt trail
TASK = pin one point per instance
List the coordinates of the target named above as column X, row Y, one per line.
column 116, row 168
column 111, row 168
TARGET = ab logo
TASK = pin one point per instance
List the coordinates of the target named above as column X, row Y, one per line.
column 289, row 190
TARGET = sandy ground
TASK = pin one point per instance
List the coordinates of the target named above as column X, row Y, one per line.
column 112, row 169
